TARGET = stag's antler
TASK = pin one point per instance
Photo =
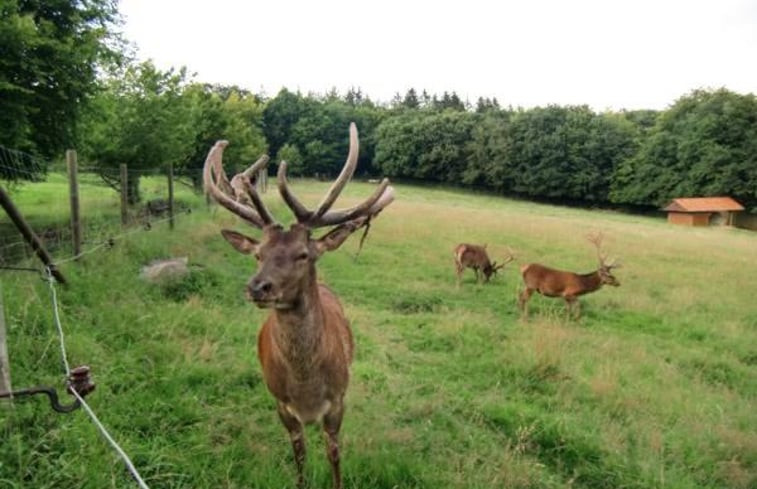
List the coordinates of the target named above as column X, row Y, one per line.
column 322, row 215
column 239, row 196
column 596, row 239
column 510, row 257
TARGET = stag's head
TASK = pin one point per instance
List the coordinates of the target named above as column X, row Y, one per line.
column 605, row 268
column 491, row 268
column 286, row 257
column 606, row 276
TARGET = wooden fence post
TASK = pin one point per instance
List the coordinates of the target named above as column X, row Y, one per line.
column 73, row 188
column 5, row 366
column 124, row 195
column 28, row 234
column 170, row 195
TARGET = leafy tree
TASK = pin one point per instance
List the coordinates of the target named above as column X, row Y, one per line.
column 142, row 119
column 223, row 112
column 396, row 102
column 424, row 100
column 317, row 128
column 367, row 117
column 396, row 151
column 555, row 152
column 50, row 52
column 448, row 101
column 322, row 137
column 293, row 157
column 566, row 152
column 489, row 151
column 643, row 119
column 426, row 146
column 704, row 145
column 411, row 99
column 279, row 117
column 354, row 97
column 486, row 104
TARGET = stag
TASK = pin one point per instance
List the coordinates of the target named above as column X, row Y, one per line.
column 305, row 345
column 550, row 282
column 475, row 257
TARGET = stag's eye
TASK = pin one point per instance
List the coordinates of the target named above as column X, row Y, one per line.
column 302, row 256
column 257, row 256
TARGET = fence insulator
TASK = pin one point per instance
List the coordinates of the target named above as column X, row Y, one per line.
column 78, row 381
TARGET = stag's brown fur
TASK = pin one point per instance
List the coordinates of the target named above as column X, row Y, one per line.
column 475, row 257
column 305, row 353
column 285, row 341
column 305, row 346
column 550, row 282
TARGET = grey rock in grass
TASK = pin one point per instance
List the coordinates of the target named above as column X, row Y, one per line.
column 165, row 271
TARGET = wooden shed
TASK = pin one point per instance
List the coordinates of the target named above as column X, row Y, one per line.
column 702, row 211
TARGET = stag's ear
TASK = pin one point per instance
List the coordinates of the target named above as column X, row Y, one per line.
column 334, row 238
column 240, row 242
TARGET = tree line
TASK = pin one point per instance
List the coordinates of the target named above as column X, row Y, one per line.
column 116, row 110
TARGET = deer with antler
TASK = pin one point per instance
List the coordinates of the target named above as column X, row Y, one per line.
column 550, row 282
column 305, row 346
column 475, row 257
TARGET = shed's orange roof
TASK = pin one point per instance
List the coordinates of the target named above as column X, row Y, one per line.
column 703, row 204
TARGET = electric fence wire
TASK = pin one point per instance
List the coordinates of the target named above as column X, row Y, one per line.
column 117, row 171
column 56, row 316
column 110, row 241
column 64, row 356
column 11, row 245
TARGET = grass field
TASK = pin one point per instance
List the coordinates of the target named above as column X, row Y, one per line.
column 653, row 388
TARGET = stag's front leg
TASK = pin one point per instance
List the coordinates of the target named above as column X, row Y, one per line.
column 332, row 422
column 572, row 305
column 577, row 308
column 523, row 298
column 297, row 436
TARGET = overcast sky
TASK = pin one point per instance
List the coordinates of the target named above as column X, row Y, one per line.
column 609, row 54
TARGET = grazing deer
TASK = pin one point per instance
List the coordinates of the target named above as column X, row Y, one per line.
column 568, row 285
column 475, row 257
column 305, row 346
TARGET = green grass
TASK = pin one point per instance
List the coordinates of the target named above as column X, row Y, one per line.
column 654, row 387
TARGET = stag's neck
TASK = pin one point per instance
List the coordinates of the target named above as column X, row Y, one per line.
column 299, row 330
column 590, row 282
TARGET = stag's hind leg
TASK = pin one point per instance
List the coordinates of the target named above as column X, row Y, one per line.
column 332, row 422
column 458, row 272
column 297, row 436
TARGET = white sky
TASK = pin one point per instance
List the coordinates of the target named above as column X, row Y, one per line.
column 610, row 54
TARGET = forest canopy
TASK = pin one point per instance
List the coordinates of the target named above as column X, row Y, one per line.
column 66, row 81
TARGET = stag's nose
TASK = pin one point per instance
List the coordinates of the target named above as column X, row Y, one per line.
column 258, row 288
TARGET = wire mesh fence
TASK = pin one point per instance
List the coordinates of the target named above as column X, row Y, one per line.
column 103, row 213
column 18, row 165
